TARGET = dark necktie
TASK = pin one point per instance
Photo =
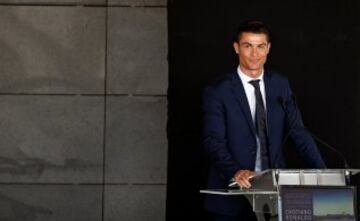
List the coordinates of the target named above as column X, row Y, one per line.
column 260, row 123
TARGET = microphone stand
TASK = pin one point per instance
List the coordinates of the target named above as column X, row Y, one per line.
column 291, row 127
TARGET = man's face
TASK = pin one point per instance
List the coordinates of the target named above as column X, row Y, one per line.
column 252, row 50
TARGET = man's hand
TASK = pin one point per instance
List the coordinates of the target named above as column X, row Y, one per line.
column 242, row 178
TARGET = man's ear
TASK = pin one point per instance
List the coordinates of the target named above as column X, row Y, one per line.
column 269, row 46
column 236, row 47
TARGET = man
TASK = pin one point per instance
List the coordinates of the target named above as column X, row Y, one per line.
column 247, row 116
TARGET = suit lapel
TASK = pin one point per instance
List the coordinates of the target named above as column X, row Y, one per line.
column 269, row 90
column 239, row 93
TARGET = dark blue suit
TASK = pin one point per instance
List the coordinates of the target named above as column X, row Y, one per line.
column 230, row 136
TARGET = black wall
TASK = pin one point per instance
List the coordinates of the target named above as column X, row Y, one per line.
column 315, row 43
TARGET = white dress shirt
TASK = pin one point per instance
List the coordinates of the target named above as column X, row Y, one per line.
column 250, row 95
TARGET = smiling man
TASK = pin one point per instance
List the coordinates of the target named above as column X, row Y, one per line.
column 247, row 114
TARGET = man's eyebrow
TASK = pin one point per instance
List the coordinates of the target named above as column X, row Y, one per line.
column 248, row 43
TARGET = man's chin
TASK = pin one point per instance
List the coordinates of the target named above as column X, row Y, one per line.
column 255, row 68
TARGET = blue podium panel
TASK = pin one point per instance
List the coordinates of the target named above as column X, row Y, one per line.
column 318, row 203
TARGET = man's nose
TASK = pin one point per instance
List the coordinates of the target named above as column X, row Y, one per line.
column 254, row 52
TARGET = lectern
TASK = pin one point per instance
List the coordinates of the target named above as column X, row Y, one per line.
column 297, row 195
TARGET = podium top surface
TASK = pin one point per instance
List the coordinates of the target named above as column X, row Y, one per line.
column 352, row 171
column 239, row 192
column 267, row 182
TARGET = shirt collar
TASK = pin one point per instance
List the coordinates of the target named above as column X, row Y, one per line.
column 245, row 78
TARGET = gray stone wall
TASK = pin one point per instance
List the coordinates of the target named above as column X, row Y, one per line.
column 83, row 114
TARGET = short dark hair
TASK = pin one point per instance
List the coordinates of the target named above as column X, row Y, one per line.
column 253, row 26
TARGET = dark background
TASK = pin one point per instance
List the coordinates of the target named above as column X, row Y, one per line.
column 314, row 43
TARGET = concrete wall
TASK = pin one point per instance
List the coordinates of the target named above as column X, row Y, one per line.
column 83, row 88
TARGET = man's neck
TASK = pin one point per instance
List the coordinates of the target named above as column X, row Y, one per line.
column 252, row 73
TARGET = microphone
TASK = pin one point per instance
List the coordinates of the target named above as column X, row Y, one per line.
column 282, row 102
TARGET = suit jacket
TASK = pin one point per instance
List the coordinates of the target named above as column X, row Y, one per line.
column 229, row 134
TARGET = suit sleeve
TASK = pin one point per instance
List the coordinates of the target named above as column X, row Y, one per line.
column 303, row 140
column 214, row 134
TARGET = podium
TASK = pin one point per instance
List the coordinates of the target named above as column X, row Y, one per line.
column 299, row 194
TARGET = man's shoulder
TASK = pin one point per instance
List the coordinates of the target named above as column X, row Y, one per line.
column 277, row 77
column 220, row 86
column 275, row 74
